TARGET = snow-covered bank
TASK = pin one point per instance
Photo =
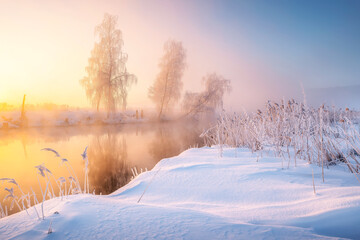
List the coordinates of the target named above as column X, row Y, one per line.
column 198, row 195
column 58, row 118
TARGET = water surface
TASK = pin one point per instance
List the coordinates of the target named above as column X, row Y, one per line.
column 112, row 152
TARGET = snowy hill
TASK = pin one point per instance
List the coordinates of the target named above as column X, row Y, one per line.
column 198, row 195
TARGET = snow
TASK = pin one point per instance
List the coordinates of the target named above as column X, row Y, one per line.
column 198, row 195
column 58, row 118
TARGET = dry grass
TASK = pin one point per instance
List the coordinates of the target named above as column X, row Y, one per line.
column 322, row 136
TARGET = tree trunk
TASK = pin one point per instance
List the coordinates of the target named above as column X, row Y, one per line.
column 108, row 107
column 124, row 104
column 23, row 117
column 97, row 106
column 163, row 98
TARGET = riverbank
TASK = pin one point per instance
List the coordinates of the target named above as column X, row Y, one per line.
column 61, row 118
column 198, row 195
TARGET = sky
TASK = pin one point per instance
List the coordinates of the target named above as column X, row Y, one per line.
column 268, row 49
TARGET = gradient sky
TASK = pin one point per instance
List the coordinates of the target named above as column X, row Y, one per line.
column 266, row 48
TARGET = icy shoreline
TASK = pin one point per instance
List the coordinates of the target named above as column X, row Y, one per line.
column 198, row 195
column 38, row 119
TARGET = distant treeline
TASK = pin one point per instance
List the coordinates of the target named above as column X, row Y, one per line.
column 42, row 106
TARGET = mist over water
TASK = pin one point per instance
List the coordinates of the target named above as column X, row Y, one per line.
column 112, row 151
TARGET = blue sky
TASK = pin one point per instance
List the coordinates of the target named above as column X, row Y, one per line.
column 317, row 42
column 274, row 46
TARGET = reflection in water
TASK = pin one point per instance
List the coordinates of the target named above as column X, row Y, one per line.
column 109, row 167
column 112, row 152
column 164, row 144
column 172, row 139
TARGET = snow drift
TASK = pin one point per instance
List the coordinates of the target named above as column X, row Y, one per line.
column 198, row 195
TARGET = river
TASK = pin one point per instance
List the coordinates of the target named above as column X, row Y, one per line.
column 112, row 152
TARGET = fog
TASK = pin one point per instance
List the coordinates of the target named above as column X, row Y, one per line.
column 113, row 151
column 267, row 52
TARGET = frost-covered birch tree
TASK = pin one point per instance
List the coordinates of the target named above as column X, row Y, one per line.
column 107, row 82
column 210, row 99
column 166, row 90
